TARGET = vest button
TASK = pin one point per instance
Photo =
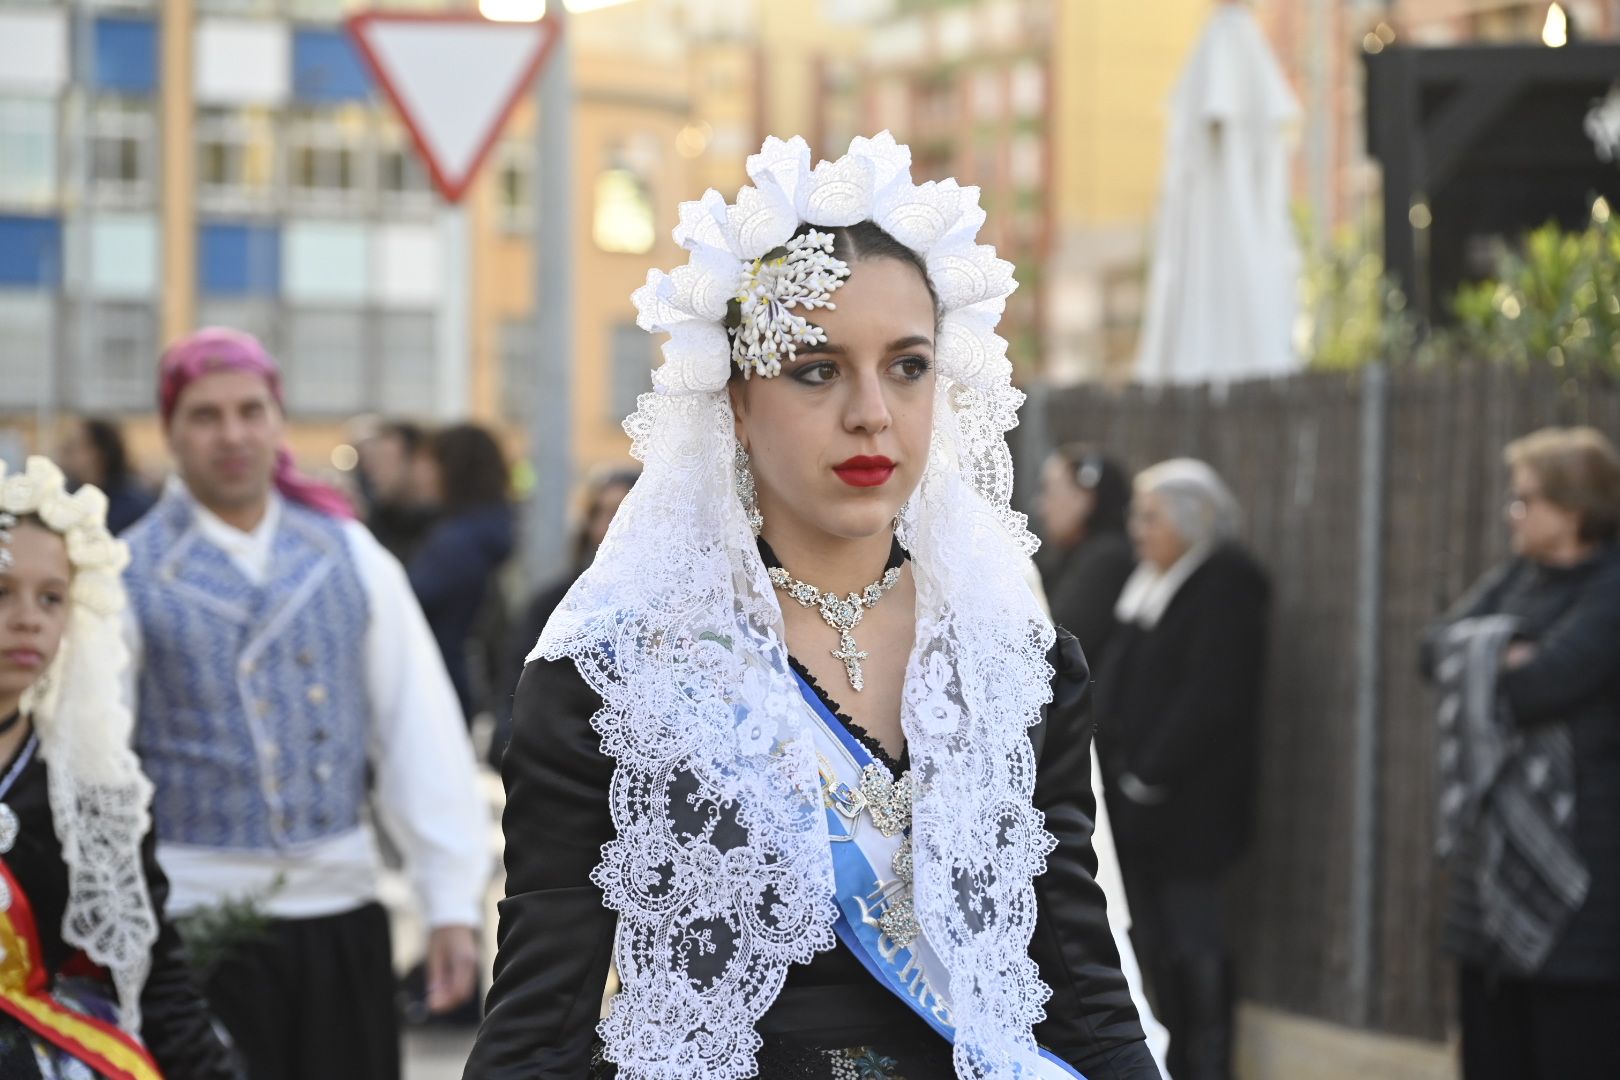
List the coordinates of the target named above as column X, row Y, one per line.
column 317, row 695
column 306, row 657
column 323, row 771
column 248, row 667
column 319, row 735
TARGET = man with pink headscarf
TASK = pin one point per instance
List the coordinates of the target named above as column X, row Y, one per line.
column 285, row 675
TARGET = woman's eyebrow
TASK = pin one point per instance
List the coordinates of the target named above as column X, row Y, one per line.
column 911, row 342
column 835, row 349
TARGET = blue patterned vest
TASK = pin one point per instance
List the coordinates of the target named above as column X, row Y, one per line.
column 253, row 712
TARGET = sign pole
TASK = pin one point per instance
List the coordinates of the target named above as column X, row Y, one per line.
column 451, row 328
column 550, row 432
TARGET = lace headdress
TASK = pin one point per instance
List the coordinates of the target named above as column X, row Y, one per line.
column 98, row 794
column 720, row 871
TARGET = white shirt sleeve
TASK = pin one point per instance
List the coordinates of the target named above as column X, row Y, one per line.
column 428, row 793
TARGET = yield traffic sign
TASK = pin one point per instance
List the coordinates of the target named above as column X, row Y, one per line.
column 454, row 78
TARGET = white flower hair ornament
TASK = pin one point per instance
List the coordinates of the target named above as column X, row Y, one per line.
column 98, row 794
column 745, row 254
column 802, row 273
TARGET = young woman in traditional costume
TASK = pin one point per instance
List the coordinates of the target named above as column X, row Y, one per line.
column 799, row 780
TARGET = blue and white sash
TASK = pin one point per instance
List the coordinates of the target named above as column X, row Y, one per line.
column 913, row 973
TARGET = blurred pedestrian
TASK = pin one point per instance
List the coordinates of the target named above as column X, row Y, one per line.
column 1178, row 701
column 92, row 451
column 1529, row 667
column 464, row 476
column 1087, row 554
column 603, row 492
column 394, row 514
column 286, row 678
column 89, row 975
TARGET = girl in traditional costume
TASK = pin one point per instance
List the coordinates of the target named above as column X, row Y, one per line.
column 799, row 780
column 93, row 983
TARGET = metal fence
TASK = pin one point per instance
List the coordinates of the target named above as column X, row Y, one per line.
column 1374, row 499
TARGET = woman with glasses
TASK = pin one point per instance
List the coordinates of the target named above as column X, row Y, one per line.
column 1528, row 665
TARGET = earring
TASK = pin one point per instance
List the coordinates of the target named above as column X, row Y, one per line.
column 745, row 490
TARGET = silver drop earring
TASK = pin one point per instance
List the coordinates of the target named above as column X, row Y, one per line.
column 746, row 494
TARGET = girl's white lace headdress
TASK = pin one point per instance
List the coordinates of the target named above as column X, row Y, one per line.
column 720, row 871
column 99, row 797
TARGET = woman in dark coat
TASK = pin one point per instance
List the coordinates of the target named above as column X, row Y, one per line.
column 453, row 571
column 1543, row 1001
column 1086, row 555
column 1178, row 698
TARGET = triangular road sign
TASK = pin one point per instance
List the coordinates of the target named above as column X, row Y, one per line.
column 454, row 78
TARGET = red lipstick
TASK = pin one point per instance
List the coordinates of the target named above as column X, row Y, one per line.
column 864, row 471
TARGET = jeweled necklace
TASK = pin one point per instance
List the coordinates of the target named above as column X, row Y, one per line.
column 842, row 613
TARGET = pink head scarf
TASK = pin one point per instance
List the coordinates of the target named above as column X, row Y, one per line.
column 217, row 348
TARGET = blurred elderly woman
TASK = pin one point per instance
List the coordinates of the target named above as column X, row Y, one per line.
column 1178, row 698
column 1528, row 664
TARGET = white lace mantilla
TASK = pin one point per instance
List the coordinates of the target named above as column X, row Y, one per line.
column 98, row 794
column 720, row 872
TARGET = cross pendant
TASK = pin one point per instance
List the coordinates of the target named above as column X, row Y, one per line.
column 852, row 657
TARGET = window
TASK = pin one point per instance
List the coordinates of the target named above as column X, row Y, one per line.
column 402, row 180
column 116, row 373
column 123, row 152
column 954, row 32
column 514, row 171
column 632, row 369
column 623, row 220
column 236, row 159
column 408, row 380
column 27, row 348
column 256, row 317
column 520, row 367
column 987, row 96
column 238, row 258
column 1028, row 89
column 329, row 158
column 27, row 151
column 324, row 361
column 316, row 10
column 1026, row 162
column 238, row 7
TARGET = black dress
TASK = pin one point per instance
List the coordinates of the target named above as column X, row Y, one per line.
column 175, row 1023
column 556, row 937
